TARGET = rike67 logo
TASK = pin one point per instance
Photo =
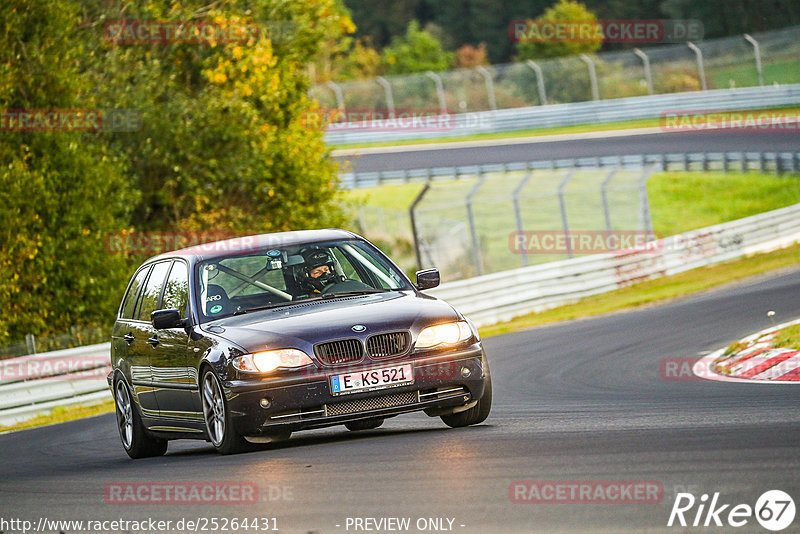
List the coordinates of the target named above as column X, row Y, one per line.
column 774, row 510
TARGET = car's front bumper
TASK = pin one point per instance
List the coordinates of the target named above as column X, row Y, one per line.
column 303, row 401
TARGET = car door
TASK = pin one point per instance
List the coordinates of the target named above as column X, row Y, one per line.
column 122, row 335
column 145, row 345
column 171, row 377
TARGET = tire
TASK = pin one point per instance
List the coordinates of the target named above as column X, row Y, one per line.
column 364, row 424
column 135, row 440
column 478, row 413
column 220, row 431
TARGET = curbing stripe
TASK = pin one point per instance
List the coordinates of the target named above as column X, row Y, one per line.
column 782, row 371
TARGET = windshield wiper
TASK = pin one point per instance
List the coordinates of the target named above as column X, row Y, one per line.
column 354, row 292
column 259, row 308
column 325, row 296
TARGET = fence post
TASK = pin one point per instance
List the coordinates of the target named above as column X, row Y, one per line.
column 700, row 67
column 476, row 251
column 592, row 76
column 487, row 77
column 648, row 75
column 563, row 205
column 411, row 209
column 603, row 194
column 387, row 89
column 518, row 212
column 30, row 342
column 539, row 81
column 439, row 90
column 645, row 217
column 757, row 53
column 337, row 90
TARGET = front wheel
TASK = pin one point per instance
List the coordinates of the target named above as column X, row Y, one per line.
column 478, row 413
column 135, row 440
column 220, row 431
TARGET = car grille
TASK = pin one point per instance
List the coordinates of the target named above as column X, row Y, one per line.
column 388, row 345
column 338, row 352
column 372, row 403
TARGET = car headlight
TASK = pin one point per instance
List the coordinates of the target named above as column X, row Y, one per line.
column 269, row 360
column 444, row 334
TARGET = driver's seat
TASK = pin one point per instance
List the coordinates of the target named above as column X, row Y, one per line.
column 217, row 296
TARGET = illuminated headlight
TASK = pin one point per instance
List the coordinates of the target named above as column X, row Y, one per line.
column 444, row 334
column 269, row 360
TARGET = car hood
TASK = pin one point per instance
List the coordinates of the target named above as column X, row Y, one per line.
column 304, row 324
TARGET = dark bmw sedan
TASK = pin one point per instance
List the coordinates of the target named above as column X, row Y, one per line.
column 245, row 341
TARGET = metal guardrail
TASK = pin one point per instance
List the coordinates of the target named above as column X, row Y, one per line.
column 726, row 161
column 30, row 385
column 556, row 115
column 502, row 296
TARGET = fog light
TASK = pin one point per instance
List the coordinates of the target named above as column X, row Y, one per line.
column 265, row 402
column 465, row 372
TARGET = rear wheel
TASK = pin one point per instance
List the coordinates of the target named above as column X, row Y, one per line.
column 220, row 431
column 364, row 424
column 135, row 440
column 478, row 413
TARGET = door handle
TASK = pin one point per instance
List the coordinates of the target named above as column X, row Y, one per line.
column 128, row 337
column 153, row 341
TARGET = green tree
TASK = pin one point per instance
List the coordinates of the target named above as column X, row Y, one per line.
column 61, row 192
column 562, row 11
column 416, row 51
column 224, row 145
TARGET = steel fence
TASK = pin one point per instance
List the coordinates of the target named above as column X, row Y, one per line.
column 465, row 219
column 557, row 115
column 740, row 61
column 502, row 296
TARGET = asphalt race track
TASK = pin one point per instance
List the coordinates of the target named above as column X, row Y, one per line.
column 580, row 400
column 651, row 143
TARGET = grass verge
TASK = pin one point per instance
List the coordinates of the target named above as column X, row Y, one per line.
column 534, row 132
column 61, row 414
column 788, row 338
column 654, row 291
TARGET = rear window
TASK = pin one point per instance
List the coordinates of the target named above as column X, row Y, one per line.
column 129, row 301
column 149, row 300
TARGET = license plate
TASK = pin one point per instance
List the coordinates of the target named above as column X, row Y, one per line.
column 371, row 379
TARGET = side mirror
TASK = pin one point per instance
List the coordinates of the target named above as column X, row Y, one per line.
column 163, row 319
column 427, row 279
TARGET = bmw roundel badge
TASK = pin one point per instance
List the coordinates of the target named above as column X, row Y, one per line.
column 359, row 328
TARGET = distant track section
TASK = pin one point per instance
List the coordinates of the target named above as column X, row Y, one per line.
column 581, row 145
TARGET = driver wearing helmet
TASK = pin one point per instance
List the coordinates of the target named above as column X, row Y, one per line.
column 319, row 270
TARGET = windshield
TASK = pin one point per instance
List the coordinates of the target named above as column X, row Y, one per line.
column 279, row 276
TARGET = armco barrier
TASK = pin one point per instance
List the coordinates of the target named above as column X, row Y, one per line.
column 779, row 162
column 37, row 383
column 485, row 299
column 502, row 296
column 603, row 111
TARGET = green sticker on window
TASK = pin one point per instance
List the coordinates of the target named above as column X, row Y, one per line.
column 215, row 309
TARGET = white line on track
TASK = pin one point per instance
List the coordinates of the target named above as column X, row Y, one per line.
column 553, row 138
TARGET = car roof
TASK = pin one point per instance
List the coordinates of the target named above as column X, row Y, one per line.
column 252, row 243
